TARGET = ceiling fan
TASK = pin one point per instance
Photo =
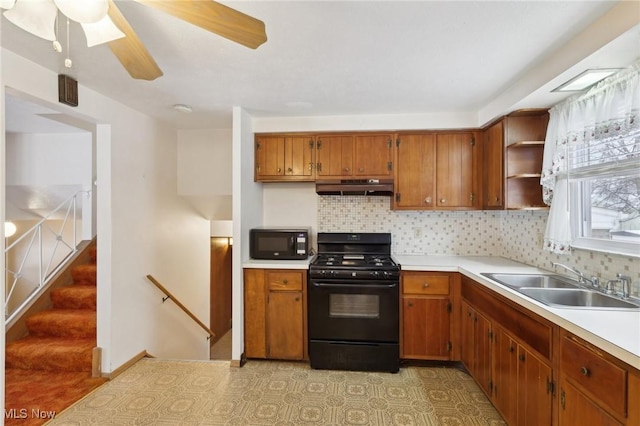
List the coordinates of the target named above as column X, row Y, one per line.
column 38, row 17
column 207, row 14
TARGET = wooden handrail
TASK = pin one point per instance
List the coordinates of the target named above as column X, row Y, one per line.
column 181, row 306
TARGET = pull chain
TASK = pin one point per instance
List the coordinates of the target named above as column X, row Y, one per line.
column 67, row 62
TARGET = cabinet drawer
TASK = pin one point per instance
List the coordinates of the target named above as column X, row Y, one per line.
column 425, row 284
column 606, row 381
column 285, row 280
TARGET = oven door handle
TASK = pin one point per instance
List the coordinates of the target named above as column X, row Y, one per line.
column 372, row 286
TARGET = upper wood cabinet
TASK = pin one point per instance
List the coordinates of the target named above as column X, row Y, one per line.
column 513, row 148
column 437, row 170
column 284, row 158
column 334, row 156
column 493, row 167
column 358, row 156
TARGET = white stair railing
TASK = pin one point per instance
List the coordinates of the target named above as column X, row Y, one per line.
column 38, row 254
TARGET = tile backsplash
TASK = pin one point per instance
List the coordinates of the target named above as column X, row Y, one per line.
column 516, row 235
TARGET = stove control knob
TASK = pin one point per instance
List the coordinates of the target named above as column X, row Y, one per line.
column 375, row 273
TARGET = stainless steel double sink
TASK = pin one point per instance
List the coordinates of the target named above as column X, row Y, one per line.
column 560, row 291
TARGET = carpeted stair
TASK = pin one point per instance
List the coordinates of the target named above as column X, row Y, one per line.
column 50, row 369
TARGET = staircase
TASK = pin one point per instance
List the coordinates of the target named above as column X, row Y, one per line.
column 51, row 367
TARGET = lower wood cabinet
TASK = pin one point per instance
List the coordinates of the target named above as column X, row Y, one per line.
column 426, row 315
column 594, row 387
column 509, row 353
column 275, row 314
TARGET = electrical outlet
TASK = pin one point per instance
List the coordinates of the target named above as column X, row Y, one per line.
column 417, row 232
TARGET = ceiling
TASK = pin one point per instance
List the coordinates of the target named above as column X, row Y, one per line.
column 332, row 58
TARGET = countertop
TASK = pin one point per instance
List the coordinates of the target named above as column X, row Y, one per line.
column 617, row 332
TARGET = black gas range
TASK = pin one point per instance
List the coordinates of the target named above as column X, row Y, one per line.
column 353, row 303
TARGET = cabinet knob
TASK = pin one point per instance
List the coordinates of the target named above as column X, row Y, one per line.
column 428, row 200
column 361, row 169
column 443, row 200
column 511, row 349
column 497, row 199
column 279, row 170
column 285, row 282
column 425, row 285
column 410, row 304
column 297, row 298
column 346, row 169
column 521, row 357
column 585, row 371
column 290, row 170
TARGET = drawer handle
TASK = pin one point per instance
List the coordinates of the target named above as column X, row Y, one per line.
column 585, row 371
column 426, row 285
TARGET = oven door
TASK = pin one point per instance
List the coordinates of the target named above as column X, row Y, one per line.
column 357, row 311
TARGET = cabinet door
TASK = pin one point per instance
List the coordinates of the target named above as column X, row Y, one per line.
column 426, row 328
column 299, row 157
column 285, row 334
column 415, row 173
column 455, row 170
column 534, row 395
column 269, row 157
column 255, row 345
column 372, row 156
column 483, row 338
column 334, row 156
column 505, row 378
column 467, row 344
column 493, row 153
column 577, row 409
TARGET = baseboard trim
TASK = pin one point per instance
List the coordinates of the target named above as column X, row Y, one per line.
column 115, row 373
column 96, row 362
column 239, row 363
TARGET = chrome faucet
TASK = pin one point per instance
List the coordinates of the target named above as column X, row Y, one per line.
column 581, row 278
column 626, row 284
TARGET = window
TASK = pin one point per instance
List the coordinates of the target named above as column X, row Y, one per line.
column 591, row 168
column 605, row 186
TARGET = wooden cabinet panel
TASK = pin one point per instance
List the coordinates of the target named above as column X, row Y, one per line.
column 254, row 314
column 269, row 153
column 483, row 353
column 454, row 170
column 533, row 390
column 599, row 378
column 373, row 156
column 334, row 156
column 426, row 284
column 284, row 157
column 284, row 280
column 275, row 314
column 505, row 379
column 426, row 328
column 285, row 336
column 577, row 409
column 415, row 172
column 493, row 168
column 426, row 315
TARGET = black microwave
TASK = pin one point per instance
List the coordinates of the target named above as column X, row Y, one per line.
column 278, row 243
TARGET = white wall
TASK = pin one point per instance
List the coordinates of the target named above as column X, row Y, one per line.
column 204, row 171
column 144, row 227
column 49, row 159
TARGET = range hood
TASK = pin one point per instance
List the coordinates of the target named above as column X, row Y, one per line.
column 355, row 187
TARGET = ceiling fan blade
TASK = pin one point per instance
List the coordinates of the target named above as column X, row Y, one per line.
column 215, row 17
column 130, row 51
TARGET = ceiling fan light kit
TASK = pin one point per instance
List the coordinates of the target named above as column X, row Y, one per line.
column 83, row 11
column 36, row 17
column 103, row 22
